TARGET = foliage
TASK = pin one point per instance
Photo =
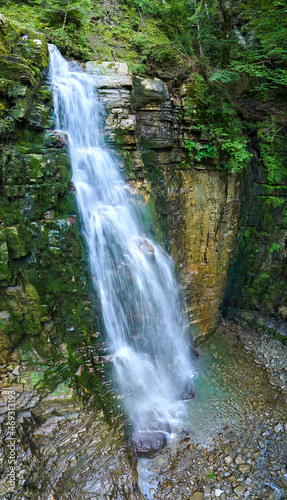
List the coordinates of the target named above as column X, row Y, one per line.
column 212, row 112
column 273, row 149
column 200, row 152
column 211, row 475
column 63, row 23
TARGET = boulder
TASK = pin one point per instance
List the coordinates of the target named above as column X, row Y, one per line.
column 147, row 444
column 188, row 390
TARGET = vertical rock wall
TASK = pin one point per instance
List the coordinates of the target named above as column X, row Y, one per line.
column 42, row 260
column 256, row 291
column 198, row 204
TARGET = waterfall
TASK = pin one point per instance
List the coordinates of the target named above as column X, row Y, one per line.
column 132, row 275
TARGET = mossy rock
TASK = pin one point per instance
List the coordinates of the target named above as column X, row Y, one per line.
column 16, row 68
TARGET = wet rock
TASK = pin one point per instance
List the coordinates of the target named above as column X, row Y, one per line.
column 188, row 391
column 156, row 425
column 146, row 247
column 147, row 443
column 184, row 436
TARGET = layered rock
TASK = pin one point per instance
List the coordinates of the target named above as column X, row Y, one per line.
column 42, row 260
column 257, row 281
column 198, row 204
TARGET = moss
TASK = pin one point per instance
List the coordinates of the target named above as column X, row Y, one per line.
column 15, row 245
column 128, row 166
column 14, row 68
column 2, row 110
column 258, row 275
column 5, row 273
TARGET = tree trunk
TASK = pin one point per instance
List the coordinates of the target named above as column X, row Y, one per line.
column 198, row 30
column 225, row 7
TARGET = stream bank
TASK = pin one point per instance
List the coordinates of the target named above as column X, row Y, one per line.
column 232, row 443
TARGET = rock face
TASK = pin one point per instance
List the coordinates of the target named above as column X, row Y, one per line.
column 197, row 204
column 258, row 276
column 42, row 259
column 63, row 452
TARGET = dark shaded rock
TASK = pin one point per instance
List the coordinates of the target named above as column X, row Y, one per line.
column 56, row 139
column 194, row 353
column 147, row 443
column 184, row 436
column 188, row 390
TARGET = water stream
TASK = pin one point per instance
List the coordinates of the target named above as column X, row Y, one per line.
column 132, row 276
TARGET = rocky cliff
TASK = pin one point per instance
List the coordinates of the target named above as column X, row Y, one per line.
column 43, row 264
column 198, row 205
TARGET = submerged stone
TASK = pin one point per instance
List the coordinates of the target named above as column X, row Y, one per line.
column 188, row 391
column 147, row 443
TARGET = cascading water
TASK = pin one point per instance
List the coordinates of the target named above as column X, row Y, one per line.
column 132, row 276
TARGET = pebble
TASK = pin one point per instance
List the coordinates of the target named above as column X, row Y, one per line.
column 244, row 468
column 232, row 479
column 228, row 460
column 278, row 428
column 218, row 492
column 238, row 460
column 207, row 490
column 197, row 495
column 239, row 490
column 16, row 370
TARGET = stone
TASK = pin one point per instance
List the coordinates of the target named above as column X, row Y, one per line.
column 16, row 370
column 206, row 490
column 197, row 495
column 239, row 490
column 56, row 139
column 112, row 75
column 232, row 479
column 228, row 460
column 244, row 468
column 218, row 492
column 148, row 444
column 238, row 460
column 278, row 428
column 188, row 391
column 150, row 90
column 146, row 247
column 5, row 273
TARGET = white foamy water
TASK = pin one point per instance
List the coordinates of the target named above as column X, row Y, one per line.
column 132, row 276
